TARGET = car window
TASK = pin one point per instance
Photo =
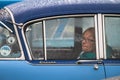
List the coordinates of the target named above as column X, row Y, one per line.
column 61, row 38
column 9, row 47
column 112, row 29
column 34, row 34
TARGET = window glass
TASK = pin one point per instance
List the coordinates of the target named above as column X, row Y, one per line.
column 112, row 28
column 35, row 39
column 66, row 38
column 60, row 38
column 88, row 37
column 9, row 47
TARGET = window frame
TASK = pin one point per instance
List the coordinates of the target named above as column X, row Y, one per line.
column 55, row 17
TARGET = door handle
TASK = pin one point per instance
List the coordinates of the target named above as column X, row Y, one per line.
column 89, row 61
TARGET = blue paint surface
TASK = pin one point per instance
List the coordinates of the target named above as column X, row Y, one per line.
column 22, row 70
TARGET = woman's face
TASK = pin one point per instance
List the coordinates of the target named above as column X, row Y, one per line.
column 88, row 42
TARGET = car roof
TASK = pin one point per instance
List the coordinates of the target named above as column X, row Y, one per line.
column 33, row 9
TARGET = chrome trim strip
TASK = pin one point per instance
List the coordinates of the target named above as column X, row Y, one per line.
column 99, row 61
column 27, row 47
column 96, row 37
column 112, row 15
column 100, row 31
column 66, row 16
column 19, row 42
column 28, row 51
column 44, row 38
column 104, row 39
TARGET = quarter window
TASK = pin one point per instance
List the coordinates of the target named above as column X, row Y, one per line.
column 34, row 36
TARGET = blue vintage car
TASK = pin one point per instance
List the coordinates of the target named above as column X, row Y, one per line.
column 43, row 40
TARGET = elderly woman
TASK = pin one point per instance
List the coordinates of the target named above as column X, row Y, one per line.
column 89, row 46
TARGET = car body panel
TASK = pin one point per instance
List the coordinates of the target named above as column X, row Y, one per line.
column 24, row 70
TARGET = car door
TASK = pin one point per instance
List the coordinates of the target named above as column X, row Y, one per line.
column 112, row 31
column 54, row 45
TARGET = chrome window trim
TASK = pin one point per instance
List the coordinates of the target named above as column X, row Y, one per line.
column 111, row 15
column 101, row 38
column 17, row 35
column 104, row 42
column 54, row 17
column 96, row 37
column 28, row 50
column 44, row 40
column 65, row 16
